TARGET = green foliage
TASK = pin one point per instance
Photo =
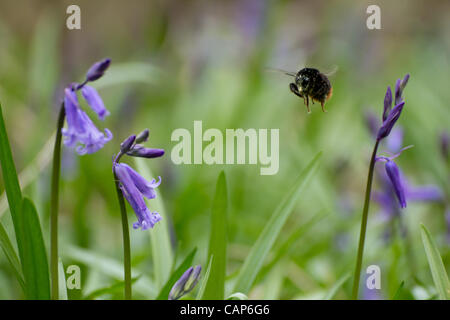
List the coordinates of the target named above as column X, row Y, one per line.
column 437, row 267
column 215, row 287
column 34, row 262
column 273, row 227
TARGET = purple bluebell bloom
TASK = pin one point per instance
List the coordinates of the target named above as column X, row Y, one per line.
column 390, row 121
column 81, row 131
column 97, row 70
column 394, row 175
column 186, row 283
column 94, row 100
column 134, row 187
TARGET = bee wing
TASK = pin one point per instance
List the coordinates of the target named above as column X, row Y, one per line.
column 332, row 72
column 292, row 74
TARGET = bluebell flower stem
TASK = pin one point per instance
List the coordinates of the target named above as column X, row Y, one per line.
column 54, row 204
column 126, row 242
column 365, row 214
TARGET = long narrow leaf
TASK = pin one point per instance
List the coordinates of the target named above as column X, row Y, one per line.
column 159, row 235
column 215, row 287
column 62, row 281
column 12, row 186
column 11, row 255
column 437, row 267
column 334, row 290
column 35, row 264
column 201, row 290
column 164, row 293
column 264, row 243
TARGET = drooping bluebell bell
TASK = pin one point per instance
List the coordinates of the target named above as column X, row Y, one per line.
column 186, row 283
column 81, row 133
column 134, row 187
column 386, row 196
column 394, row 175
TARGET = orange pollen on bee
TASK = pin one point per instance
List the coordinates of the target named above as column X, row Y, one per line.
column 330, row 93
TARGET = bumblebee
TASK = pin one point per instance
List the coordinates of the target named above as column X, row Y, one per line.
column 311, row 84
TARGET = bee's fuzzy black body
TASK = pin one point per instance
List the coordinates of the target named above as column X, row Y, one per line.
column 311, row 83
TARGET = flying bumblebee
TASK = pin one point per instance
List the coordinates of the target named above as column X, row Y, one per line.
column 311, row 84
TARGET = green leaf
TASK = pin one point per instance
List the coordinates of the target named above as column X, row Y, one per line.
column 437, row 267
column 399, row 291
column 112, row 289
column 11, row 255
column 258, row 253
column 201, row 290
column 215, row 287
column 34, row 263
column 12, row 186
column 330, row 295
column 164, row 293
column 109, row 267
column 159, row 235
column 62, row 281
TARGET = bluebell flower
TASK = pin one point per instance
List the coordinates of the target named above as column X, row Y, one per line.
column 139, row 151
column 134, row 187
column 186, row 283
column 394, row 175
column 391, row 115
column 81, row 133
column 94, row 100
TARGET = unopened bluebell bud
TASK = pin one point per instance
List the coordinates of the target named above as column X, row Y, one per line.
column 186, row 283
column 127, row 144
column 142, row 152
column 143, row 136
column 98, row 69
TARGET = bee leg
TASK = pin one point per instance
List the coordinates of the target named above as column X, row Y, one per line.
column 294, row 89
column 322, row 104
column 307, row 104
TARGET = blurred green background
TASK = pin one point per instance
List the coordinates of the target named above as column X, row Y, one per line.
column 174, row 62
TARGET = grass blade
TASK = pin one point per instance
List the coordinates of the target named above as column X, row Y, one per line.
column 159, row 235
column 116, row 288
column 35, row 264
column 12, row 187
column 258, row 253
column 110, row 267
column 11, row 255
column 201, row 290
column 164, row 293
column 399, row 291
column 215, row 287
column 437, row 267
column 62, row 281
column 330, row 295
